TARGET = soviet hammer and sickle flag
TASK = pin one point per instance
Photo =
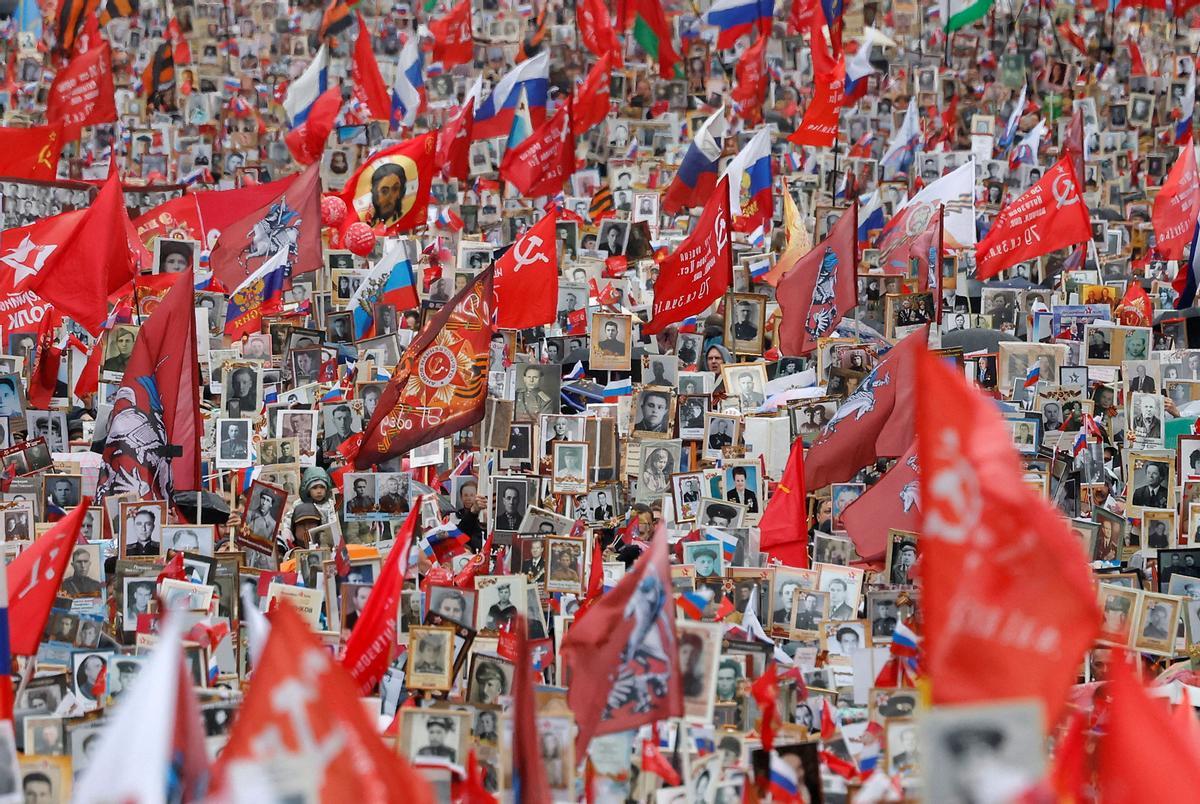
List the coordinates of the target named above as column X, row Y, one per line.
column 440, row 385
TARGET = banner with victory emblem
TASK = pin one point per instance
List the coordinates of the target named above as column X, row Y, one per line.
column 440, row 385
column 698, row 272
column 527, row 279
column 1050, row 215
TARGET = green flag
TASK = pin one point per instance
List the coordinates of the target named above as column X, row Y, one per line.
column 961, row 13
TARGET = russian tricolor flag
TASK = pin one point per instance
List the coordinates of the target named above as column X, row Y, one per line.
column 493, row 117
column 904, row 641
column 870, row 214
column 390, row 281
column 753, row 161
column 736, row 18
column 728, row 542
column 697, row 175
column 1033, row 375
column 304, row 91
column 408, row 92
column 1183, row 129
column 692, row 604
column 783, row 784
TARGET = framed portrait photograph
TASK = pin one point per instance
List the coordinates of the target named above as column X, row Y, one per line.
column 175, row 256
column 686, row 491
column 716, row 513
column 743, row 485
column 50, row 425
column 137, row 597
column 118, row 347
column 520, row 446
column 843, row 638
column 537, row 391
column 511, row 501
column 12, row 396
column 305, row 364
column 745, row 319
column 242, row 392
column 901, row 557
column 430, row 657
column 434, row 734
column 955, row 739
column 302, row 426
column 720, row 430
column 1157, row 623
column 565, row 558
column 657, row 461
column 570, row 463
column 844, row 585
column 654, row 412
column 141, row 528
column 611, row 342
column 498, row 599
column 603, row 502
column 188, row 539
column 706, row 557
column 809, row 609
column 699, row 653
column 691, row 410
column 1026, row 433
column 1151, row 477
column 614, row 236
column 747, row 383
column 233, row 443
column 1119, row 605
column 62, row 492
column 263, row 515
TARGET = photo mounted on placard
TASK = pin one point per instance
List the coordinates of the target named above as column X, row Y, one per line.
column 902, row 554
column 48, row 425
column 262, row 516
column 302, row 426
column 62, row 492
column 654, row 412
column 743, row 485
column 692, row 408
column 706, row 557
column 175, row 256
column 809, row 609
column 498, row 598
column 611, row 342
column 430, row 657
column 686, row 491
column 233, row 443
column 564, row 565
column 141, row 528
column 188, row 539
column 744, row 323
column 242, row 392
column 537, row 391
column 720, row 431
column 746, row 383
column 570, row 462
column 118, row 347
column 1151, row 477
column 657, row 461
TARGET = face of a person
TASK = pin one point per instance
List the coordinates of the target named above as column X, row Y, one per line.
column 342, row 419
column 81, row 563
column 531, row 378
column 62, row 491
column 848, row 642
column 174, row 264
column 654, row 410
column 715, row 361
column 505, row 595
column 141, row 597
column 610, row 331
column 125, row 343
column 241, row 383
column 726, row 682
column 387, row 195
column 1153, row 475
column 360, row 487
column 143, row 527
column 8, row 397
column 187, row 540
column 509, row 498
column 1147, row 408
column 837, row 594
column 704, row 565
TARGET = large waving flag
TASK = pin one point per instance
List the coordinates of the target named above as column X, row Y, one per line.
column 33, row 579
column 903, row 144
column 30, row 153
column 821, row 289
column 799, row 242
column 736, row 18
column 1176, row 205
column 596, row 30
column 593, row 96
column 697, row 175
column 304, row 91
column 526, row 281
column 260, row 295
column 306, row 142
column 390, row 281
column 369, row 88
column 754, row 161
column 494, row 116
column 453, row 40
column 961, row 13
column 391, row 189
column 955, row 193
column 652, row 31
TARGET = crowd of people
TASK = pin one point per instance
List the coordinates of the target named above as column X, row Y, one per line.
column 727, row 401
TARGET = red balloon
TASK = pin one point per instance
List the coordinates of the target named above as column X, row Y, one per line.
column 359, row 238
column 333, row 210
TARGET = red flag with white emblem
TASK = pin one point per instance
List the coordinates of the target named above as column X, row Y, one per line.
column 1007, row 593
column 454, row 143
column 527, row 279
column 545, row 159
column 1176, row 205
column 34, row 577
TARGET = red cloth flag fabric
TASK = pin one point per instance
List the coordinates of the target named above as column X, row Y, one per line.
column 30, row 153
column 596, row 31
column 750, row 86
column 1048, row 216
column 75, row 260
column 391, row 189
column 306, row 142
column 1073, row 141
column 371, row 643
column 156, row 411
column 1135, row 308
column 765, row 690
column 44, row 377
column 292, row 221
column 33, row 579
column 819, row 126
column 699, row 271
column 440, row 384
column 453, row 41
column 195, row 215
column 1007, row 595
column 545, row 159
column 1176, row 206
column 593, row 96
column 1140, row 734
column 654, row 762
column 304, row 711
column 526, row 280
column 876, row 421
column 454, row 143
column 783, row 529
column 82, row 93
column 822, row 287
column 626, row 643
column 369, row 87
column 529, row 783
column 892, row 503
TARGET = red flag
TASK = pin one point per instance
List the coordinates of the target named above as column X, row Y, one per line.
column 34, row 577
column 819, row 127
column 622, row 660
column 596, row 31
column 914, row 242
column 800, row 17
column 654, row 762
column 875, row 421
column 82, row 93
column 1048, row 216
column 453, row 42
column 391, row 189
column 454, row 143
column 1139, row 734
column 593, row 96
column 1069, row 776
column 750, row 86
column 545, row 159
column 783, row 527
column 526, row 279
column 369, row 648
column 369, row 87
column 822, row 287
column 304, row 711
column 1072, row 36
column 828, row 724
column 1176, row 205
column 44, row 377
column 529, row 782
column 1136, row 65
column 1073, row 141
column 474, row 791
column 765, row 690
column 306, row 142
column 173, row 570
column 290, row 220
column 30, row 153
column 154, row 430
column 699, row 271
column 892, row 503
column 195, row 215
column 1007, row 596
column 440, row 385
column 1135, row 308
